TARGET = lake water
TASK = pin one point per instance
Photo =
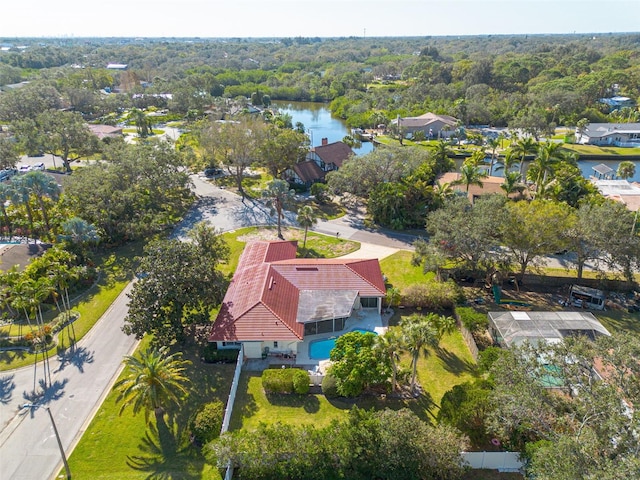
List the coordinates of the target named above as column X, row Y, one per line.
column 319, row 123
column 585, row 166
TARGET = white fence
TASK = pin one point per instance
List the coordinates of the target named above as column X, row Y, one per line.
column 232, row 398
column 501, row 461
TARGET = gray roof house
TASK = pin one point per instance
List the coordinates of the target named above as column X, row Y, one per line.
column 612, row 134
column 433, row 126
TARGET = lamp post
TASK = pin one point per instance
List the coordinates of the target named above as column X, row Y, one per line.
column 55, row 430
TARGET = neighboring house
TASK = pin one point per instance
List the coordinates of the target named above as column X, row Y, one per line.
column 433, row 126
column 104, row 131
column 511, row 328
column 305, row 173
column 620, row 191
column 276, row 300
column 613, row 134
column 490, row 185
column 330, row 156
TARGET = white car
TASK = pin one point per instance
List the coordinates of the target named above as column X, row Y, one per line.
column 38, row 166
column 24, row 168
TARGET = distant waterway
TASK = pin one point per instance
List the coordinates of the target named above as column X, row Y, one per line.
column 319, row 123
column 585, row 166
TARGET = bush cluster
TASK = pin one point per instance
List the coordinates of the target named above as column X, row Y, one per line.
column 286, row 380
column 206, row 424
column 472, row 320
column 210, row 354
column 432, row 295
column 330, row 386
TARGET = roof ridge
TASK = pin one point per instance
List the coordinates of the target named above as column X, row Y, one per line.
column 355, row 260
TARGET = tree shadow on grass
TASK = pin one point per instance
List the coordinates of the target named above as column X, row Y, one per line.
column 165, row 454
column 422, row 404
column 453, row 363
column 309, row 403
column 245, row 405
column 7, row 385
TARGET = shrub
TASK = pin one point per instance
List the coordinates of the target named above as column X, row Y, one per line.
column 211, row 354
column 433, row 295
column 301, row 382
column 472, row 320
column 487, row 357
column 330, row 386
column 285, row 380
column 206, row 424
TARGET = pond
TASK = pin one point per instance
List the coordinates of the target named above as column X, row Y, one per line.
column 319, row 123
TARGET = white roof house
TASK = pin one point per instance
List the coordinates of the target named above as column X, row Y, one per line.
column 511, row 328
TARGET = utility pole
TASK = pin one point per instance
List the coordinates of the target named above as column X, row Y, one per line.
column 55, row 431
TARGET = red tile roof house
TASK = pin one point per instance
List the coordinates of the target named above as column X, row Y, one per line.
column 276, row 302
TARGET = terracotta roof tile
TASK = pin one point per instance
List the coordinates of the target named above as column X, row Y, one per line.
column 308, row 171
column 263, row 297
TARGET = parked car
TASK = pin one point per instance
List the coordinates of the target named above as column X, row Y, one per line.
column 212, row 172
column 38, row 166
column 7, row 173
column 24, row 168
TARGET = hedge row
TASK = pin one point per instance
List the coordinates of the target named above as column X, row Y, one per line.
column 286, row 380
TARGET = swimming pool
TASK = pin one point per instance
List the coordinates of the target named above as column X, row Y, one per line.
column 320, row 349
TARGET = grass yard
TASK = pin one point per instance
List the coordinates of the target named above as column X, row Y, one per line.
column 318, row 245
column 116, row 447
column 619, row 321
column 595, row 150
column 115, row 267
column 399, row 271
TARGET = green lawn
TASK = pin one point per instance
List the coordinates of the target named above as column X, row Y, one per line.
column 116, row 447
column 115, row 267
column 399, row 271
column 619, row 321
column 595, row 150
column 438, row 372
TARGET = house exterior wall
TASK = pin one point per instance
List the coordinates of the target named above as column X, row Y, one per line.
column 252, row 349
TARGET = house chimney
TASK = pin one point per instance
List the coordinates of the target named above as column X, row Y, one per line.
column 325, row 141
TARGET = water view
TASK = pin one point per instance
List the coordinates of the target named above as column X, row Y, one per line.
column 319, row 124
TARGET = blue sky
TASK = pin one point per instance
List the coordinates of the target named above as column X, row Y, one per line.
column 313, row 18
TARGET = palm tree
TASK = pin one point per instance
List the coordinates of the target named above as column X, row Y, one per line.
column 306, row 219
column 441, row 155
column 42, row 186
column 278, row 195
column 419, row 334
column 469, row 175
column 626, row 170
column 390, row 345
column 21, row 195
column 523, row 147
column 5, row 194
column 155, row 381
column 494, row 144
column 549, row 156
column 477, row 157
column 512, row 183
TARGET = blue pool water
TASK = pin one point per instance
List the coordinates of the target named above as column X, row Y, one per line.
column 320, row 349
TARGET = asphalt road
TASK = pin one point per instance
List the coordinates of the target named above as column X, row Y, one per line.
column 80, row 381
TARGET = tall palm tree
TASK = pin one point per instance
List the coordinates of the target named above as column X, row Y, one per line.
column 306, row 219
column 523, row 147
column 512, row 183
column 42, row 186
column 419, row 334
column 477, row 157
column 278, row 196
column 5, row 194
column 626, row 170
column 494, row 144
column 549, row 155
column 469, row 175
column 441, row 154
column 155, row 381
column 390, row 345
column 21, row 195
